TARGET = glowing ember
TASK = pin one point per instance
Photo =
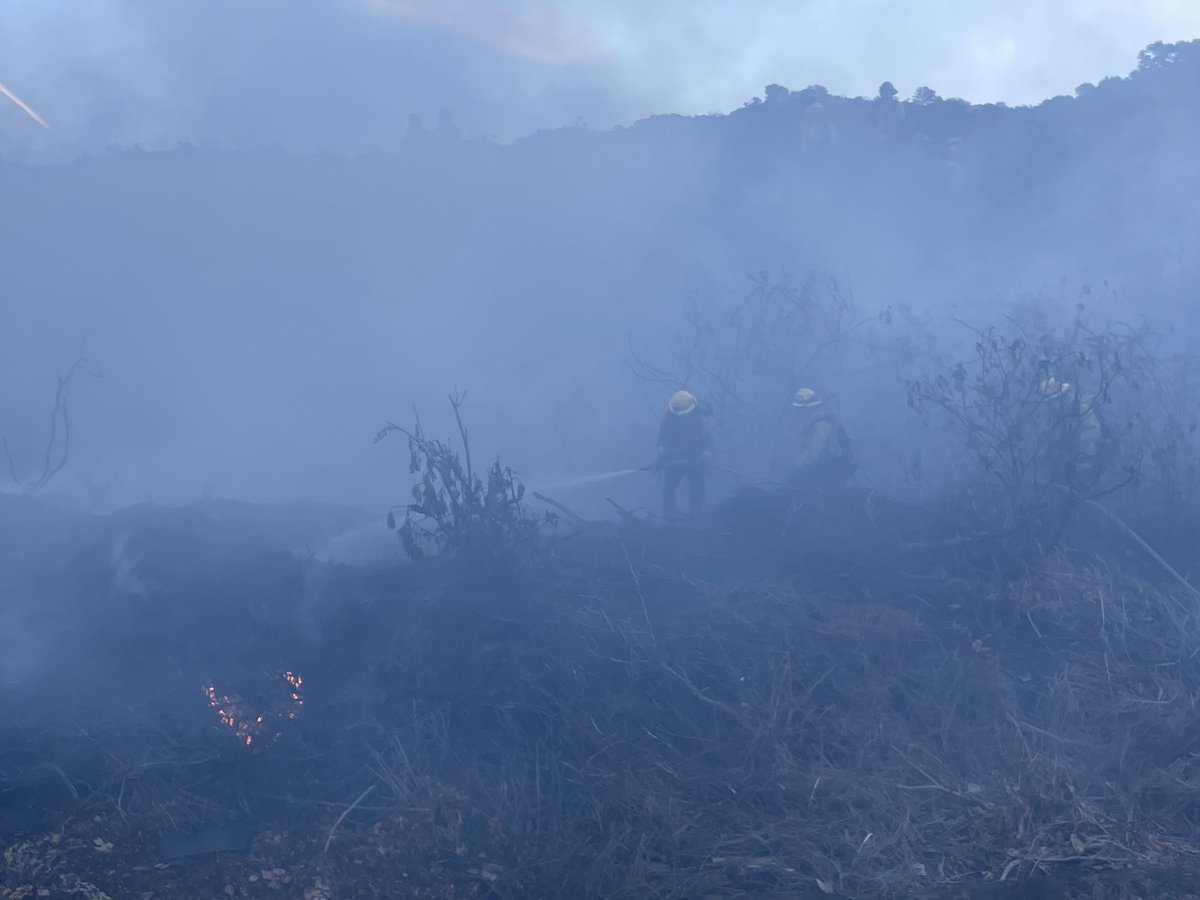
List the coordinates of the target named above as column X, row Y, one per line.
column 297, row 697
column 232, row 714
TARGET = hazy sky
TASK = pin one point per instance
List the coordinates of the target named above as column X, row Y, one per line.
column 344, row 74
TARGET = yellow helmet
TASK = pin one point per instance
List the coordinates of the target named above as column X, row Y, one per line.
column 682, row 403
column 806, row 398
column 1052, row 388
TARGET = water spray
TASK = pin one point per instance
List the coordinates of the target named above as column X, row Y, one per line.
column 585, row 480
column 567, row 484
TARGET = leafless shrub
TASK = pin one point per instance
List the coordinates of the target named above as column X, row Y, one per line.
column 1021, row 407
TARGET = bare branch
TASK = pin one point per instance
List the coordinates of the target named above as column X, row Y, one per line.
column 57, row 452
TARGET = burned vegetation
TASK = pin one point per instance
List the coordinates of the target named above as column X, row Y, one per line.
column 984, row 685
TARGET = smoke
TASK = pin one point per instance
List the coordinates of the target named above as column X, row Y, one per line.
column 336, row 76
column 19, row 653
column 344, row 75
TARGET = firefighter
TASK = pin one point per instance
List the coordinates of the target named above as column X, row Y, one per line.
column 1079, row 436
column 684, row 449
column 824, row 454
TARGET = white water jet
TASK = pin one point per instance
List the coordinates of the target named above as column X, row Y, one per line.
column 584, row 480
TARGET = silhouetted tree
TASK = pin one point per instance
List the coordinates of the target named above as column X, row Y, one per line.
column 776, row 93
column 924, row 96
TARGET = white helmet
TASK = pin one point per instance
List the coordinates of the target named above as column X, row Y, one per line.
column 682, row 403
column 806, row 398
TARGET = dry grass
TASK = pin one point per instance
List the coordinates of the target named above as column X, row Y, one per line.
column 620, row 729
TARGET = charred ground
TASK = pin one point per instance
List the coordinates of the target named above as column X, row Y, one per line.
column 790, row 696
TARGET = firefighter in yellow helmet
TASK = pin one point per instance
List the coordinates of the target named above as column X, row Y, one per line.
column 1079, row 440
column 684, row 449
column 822, row 455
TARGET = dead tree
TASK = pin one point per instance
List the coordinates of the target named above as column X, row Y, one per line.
column 58, row 443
